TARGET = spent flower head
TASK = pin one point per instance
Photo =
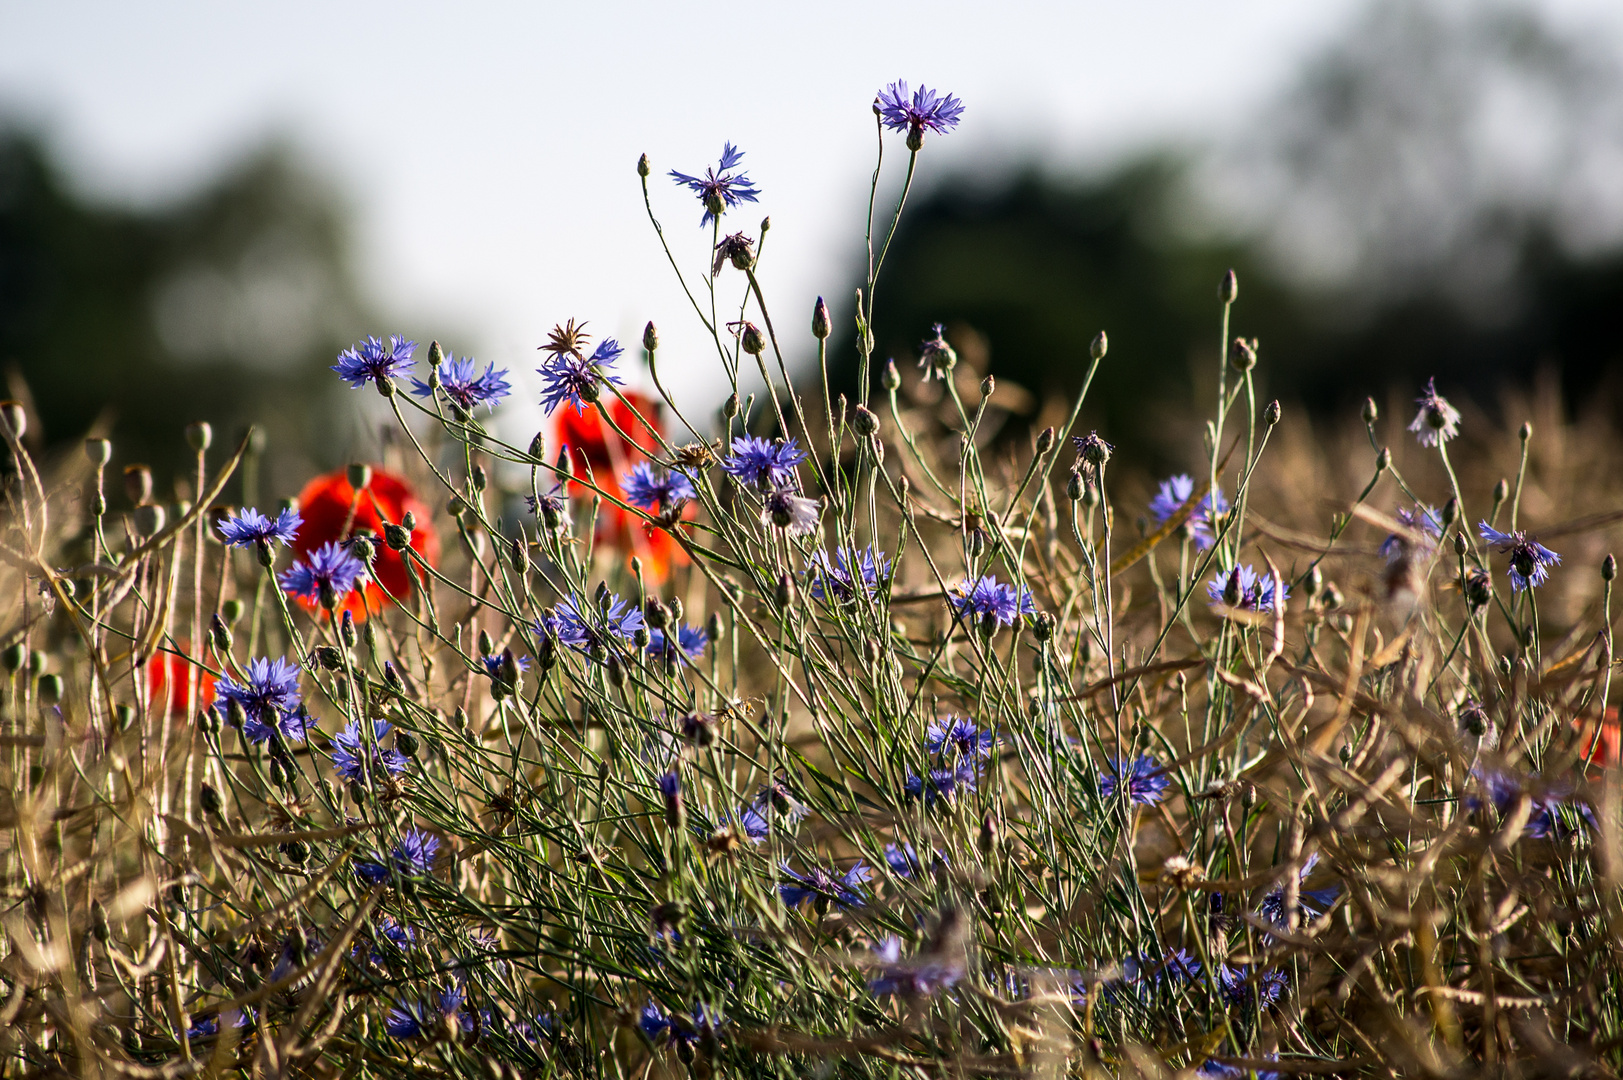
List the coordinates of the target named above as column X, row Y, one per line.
column 1437, row 421
column 936, row 357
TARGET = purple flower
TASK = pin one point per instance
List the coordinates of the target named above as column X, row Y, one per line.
column 1147, row 781
column 250, row 528
column 591, row 629
column 1173, row 493
column 1311, row 903
column 936, row 358
column 961, row 736
column 413, row 856
column 1437, row 421
column 269, row 696
column 839, row 576
column 750, row 821
column 1530, row 561
column 1551, row 815
column 926, row 110
column 987, row 598
column 410, row 1021
column 568, row 377
column 691, row 640
column 493, row 665
column 786, row 509
column 1142, row 975
column 720, row 188
column 1241, row 986
column 924, row 975
column 778, row 798
column 653, row 1023
column 391, row 939
column 903, row 860
column 765, row 464
column 941, row 783
column 1212, row 1069
column 462, row 384
column 205, row 1026
column 373, row 361
column 326, row 576
column 647, row 487
column 827, row 886
column 1424, row 520
column 360, row 761
column 703, row 1024
column 1242, row 588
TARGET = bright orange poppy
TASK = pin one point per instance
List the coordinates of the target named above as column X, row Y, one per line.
column 332, row 510
column 167, row 677
column 1609, row 747
column 610, row 455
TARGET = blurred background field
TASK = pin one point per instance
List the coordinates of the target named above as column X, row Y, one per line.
column 200, row 206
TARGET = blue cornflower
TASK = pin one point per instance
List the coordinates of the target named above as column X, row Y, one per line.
column 926, row 110
column 1241, row 987
column 1173, row 493
column 269, row 696
column 567, row 376
column 413, row 856
column 959, row 734
column 493, row 664
column 1311, row 903
column 1423, row 520
column 646, row 487
column 390, row 940
column 1530, row 561
column 1242, row 588
column 924, row 975
column 692, row 640
column 828, row 886
column 410, row 1021
column 1147, row 781
column 205, row 1026
column 1212, row 1069
column 902, row 859
column 941, row 783
column 704, row 1023
column 361, row 762
column 1551, row 814
column 250, row 528
column 462, row 384
column 1437, row 421
column 653, row 1023
column 327, row 575
column 1141, row 975
column 987, row 598
column 720, row 189
column 373, row 361
column 617, row 620
column 765, row 464
column 839, row 576
column 750, row 821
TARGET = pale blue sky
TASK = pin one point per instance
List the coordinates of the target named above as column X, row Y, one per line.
column 489, row 148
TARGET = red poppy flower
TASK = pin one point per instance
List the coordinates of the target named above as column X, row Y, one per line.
column 332, row 510
column 167, row 677
column 610, row 455
column 1609, row 747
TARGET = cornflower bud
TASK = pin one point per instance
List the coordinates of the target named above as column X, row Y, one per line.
column 14, row 417
column 615, row 670
column 1501, row 491
column 329, row 657
column 359, row 475
column 456, row 506
column 397, row 537
column 1526, row 431
column 1042, row 628
column 370, row 636
column 1243, row 354
column 99, row 451
column 486, row 645
column 988, row 386
column 989, row 833
column 1371, row 412
column 1383, row 460
column 361, row 547
column 714, row 627
column 656, row 614
column 1229, row 289
column 199, row 436
column 784, row 591
column 864, row 422
column 408, row 521
column 1231, row 588
column 751, row 340
column 1090, row 496
column 729, row 409
column 138, row 484
column 891, row 379
column 208, row 799
column 219, row 634
column 1460, row 545
column 1271, row 414
column 477, row 478
column 406, row 743
column 1099, row 346
column 391, row 676
column 670, row 788
column 1608, row 568
column 1045, row 441
column 650, row 337
column 538, row 445
column 643, row 167
column 822, row 326
column 1074, row 485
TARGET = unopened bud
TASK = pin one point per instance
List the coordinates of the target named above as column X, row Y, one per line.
column 478, row 479
column 1099, row 346
column 989, row 833
column 519, row 555
column 219, row 634
column 1451, row 511
column 1383, row 460
column 1526, row 431
column 891, row 379
column 650, row 337
column 729, row 408
column 1045, row 441
column 643, row 168
column 406, row 743
column 346, row 630
column 99, row 451
column 670, row 790
column 714, row 628
column 988, row 386
column 864, row 422
column 408, row 521
column 1229, row 289
column 821, row 324
column 1460, row 545
column 751, row 340
column 784, row 591
column 1501, row 491
column 1243, row 354
column 1074, row 485
column 1608, row 568
column 1271, row 414
column 615, row 670
column 14, row 417
column 1371, row 412
column 538, row 447
column 199, row 436
column 359, row 475
column 398, row 537
column 138, row 484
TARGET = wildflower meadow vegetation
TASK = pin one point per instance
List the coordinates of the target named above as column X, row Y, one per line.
column 835, row 734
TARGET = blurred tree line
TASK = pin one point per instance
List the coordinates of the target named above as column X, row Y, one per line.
column 226, row 305
column 1435, row 195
